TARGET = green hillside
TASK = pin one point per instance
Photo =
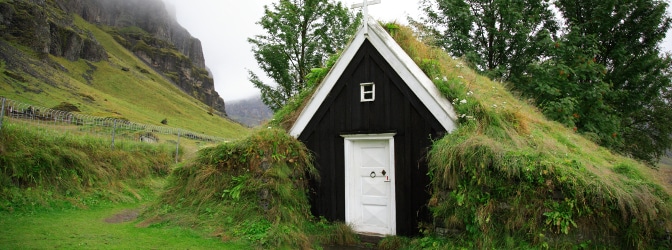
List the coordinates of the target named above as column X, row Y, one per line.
column 122, row 86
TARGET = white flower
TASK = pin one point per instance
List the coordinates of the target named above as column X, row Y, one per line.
column 445, row 79
column 461, row 77
column 470, row 93
column 463, row 101
column 494, row 105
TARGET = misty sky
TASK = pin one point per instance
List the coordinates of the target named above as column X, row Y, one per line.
column 223, row 27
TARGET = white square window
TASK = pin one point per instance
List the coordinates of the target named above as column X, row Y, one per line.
column 368, row 92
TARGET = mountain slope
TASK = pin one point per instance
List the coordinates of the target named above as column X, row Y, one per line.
column 251, row 111
column 82, row 63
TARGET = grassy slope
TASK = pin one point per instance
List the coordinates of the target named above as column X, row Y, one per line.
column 58, row 189
column 39, row 170
column 141, row 97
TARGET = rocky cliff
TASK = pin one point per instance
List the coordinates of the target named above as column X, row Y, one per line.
column 142, row 26
column 32, row 25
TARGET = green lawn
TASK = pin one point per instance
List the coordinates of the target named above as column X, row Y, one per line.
column 87, row 229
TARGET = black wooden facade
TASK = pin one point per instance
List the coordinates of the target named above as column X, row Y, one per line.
column 396, row 109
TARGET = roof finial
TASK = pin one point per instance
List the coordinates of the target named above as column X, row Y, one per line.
column 365, row 9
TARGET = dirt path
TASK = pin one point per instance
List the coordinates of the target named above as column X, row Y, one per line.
column 124, row 216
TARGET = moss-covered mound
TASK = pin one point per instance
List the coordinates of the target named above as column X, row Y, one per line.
column 253, row 190
column 509, row 174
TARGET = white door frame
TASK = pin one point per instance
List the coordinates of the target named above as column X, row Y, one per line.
column 349, row 141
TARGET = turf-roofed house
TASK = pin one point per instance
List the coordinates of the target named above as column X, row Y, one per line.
column 370, row 124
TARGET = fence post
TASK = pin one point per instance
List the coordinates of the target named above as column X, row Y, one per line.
column 177, row 147
column 2, row 112
column 114, row 128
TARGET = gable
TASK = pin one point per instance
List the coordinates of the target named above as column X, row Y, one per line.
column 394, row 108
column 401, row 64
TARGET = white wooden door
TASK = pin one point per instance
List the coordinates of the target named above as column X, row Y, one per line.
column 369, row 184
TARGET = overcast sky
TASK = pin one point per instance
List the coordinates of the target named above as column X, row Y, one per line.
column 223, row 27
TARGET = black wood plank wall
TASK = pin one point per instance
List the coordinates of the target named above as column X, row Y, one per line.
column 395, row 109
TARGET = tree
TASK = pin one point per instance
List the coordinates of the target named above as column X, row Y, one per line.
column 602, row 73
column 301, row 34
column 628, row 34
column 496, row 37
column 569, row 86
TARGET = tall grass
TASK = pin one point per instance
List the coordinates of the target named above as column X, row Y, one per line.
column 509, row 175
column 40, row 169
column 252, row 190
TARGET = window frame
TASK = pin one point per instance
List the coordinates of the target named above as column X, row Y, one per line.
column 364, row 92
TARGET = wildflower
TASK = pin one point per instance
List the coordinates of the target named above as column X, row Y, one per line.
column 461, row 77
column 463, row 101
column 470, row 93
column 445, row 79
